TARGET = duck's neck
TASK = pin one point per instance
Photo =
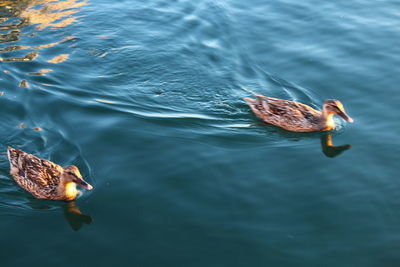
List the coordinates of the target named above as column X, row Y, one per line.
column 328, row 121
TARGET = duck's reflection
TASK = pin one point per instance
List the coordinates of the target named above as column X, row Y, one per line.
column 72, row 213
column 75, row 217
column 329, row 149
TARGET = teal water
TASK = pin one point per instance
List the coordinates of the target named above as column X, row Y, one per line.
column 145, row 97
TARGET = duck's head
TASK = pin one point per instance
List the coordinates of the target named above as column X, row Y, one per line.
column 332, row 107
column 72, row 174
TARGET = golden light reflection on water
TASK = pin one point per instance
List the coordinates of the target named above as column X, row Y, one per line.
column 52, row 13
column 103, row 101
column 28, row 57
column 42, row 14
column 59, row 58
column 41, row 72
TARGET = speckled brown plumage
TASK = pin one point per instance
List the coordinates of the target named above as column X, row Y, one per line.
column 295, row 116
column 43, row 178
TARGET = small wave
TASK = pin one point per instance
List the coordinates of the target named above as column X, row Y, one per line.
column 173, row 115
column 235, row 125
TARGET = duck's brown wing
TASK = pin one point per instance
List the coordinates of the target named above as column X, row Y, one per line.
column 286, row 114
column 30, row 171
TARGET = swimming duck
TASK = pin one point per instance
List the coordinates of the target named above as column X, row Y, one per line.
column 295, row 116
column 43, row 178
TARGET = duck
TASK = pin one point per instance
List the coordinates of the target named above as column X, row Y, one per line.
column 295, row 116
column 45, row 179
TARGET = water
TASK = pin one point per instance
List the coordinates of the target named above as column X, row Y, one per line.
column 145, row 97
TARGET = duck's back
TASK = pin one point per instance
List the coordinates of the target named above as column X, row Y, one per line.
column 289, row 115
column 38, row 176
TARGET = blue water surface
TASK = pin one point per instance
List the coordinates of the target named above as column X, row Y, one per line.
column 146, row 98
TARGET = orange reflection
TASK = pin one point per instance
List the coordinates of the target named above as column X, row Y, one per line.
column 16, row 15
column 59, row 58
column 41, row 72
column 53, row 44
column 52, row 13
column 28, row 57
column 103, row 101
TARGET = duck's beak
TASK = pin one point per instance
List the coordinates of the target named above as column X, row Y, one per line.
column 83, row 184
column 345, row 116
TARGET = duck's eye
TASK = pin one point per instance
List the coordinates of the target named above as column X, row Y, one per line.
column 76, row 176
column 335, row 108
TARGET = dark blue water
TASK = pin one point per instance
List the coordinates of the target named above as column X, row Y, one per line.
column 145, row 97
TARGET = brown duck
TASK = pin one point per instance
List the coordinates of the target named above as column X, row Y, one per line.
column 43, row 178
column 297, row 117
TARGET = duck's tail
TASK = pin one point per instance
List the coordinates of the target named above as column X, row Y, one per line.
column 258, row 99
column 10, row 153
column 13, row 156
column 249, row 101
column 259, row 103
